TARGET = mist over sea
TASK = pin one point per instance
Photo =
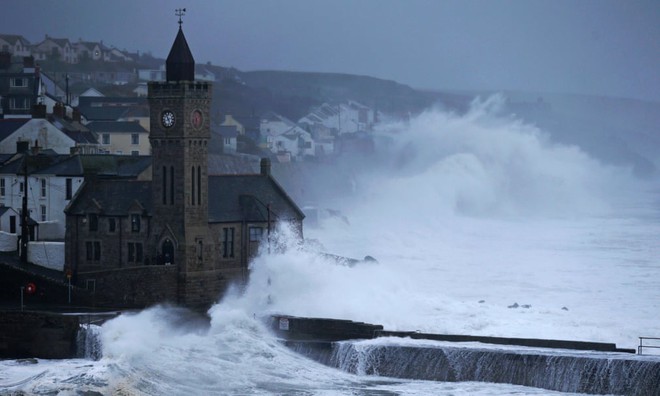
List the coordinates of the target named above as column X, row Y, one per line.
column 480, row 224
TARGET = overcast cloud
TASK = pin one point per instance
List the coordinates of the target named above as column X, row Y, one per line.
column 587, row 46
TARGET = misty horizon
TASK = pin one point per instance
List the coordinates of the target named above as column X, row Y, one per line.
column 604, row 48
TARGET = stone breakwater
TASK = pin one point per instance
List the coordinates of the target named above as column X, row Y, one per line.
column 566, row 366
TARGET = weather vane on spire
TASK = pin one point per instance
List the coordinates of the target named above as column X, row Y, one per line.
column 180, row 12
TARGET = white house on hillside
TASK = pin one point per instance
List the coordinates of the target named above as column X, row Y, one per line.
column 35, row 130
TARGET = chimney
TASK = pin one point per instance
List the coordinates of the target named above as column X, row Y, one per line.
column 265, row 167
column 22, row 146
column 58, row 110
column 76, row 115
column 39, row 111
column 35, row 148
column 5, row 60
column 28, row 62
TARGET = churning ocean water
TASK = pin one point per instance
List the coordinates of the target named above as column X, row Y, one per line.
column 480, row 225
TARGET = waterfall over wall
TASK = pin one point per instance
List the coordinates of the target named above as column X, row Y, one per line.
column 595, row 373
column 88, row 342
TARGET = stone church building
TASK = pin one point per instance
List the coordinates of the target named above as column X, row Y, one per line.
column 183, row 236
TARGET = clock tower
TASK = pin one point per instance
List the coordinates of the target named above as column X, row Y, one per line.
column 179, row 136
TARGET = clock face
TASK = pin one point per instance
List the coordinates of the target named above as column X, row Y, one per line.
column 168, row 119
column 196, row 118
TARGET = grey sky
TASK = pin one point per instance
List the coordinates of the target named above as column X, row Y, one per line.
column 577, row 46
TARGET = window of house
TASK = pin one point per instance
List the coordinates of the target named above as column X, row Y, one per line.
column 93, row 250
column 18, row 82
column 227, row 141
column 135, row 223
column 135, row 138
column 97, row 251
column 135, row 152
column 93, row 222
column 228, row 242
column 135, row 254
column 43, row 188
column 2, row 187
column 69, row 188
column 21, row 187
column 43, row 212
column 18, row 103
column 256, row 233
column 112, row 224
column 105, row 138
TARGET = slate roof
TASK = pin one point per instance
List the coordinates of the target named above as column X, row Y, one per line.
column 245, row 197
column 180, row 64
column 5, row 209
column 13, row 38
column 75, row 130
column 111, row 197
column 108, row 108
column 226, row 131
column 116, row 126
column 36, row 162
column 10, row 125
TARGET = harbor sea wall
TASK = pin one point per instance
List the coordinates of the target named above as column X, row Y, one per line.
column 564, row 371
column 565, row 366
column 37, row 334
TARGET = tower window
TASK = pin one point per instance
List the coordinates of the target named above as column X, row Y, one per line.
column 164, row 185
column 192, row 178
column 199, row 185
column 171, row 185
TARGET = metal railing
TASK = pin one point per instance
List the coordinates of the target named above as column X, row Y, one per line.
column 642, row 346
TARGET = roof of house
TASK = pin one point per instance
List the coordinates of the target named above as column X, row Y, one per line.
column 226, row 131
column 246, row 197
column 74, row 130
column 5, row 209
column 231, row 198
column 13, row 38
column 108, row 108
column 116, row 126
column 10, row 125
column 111, row 197
column 248, row 122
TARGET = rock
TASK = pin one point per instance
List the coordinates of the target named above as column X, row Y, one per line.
column 564, row 308
column 515, row 305
column 526, row 306
column 482, row 301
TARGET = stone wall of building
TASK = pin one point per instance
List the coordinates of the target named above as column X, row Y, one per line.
column 133, row 286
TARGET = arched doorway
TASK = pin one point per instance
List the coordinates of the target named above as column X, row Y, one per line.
column 167, row 251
